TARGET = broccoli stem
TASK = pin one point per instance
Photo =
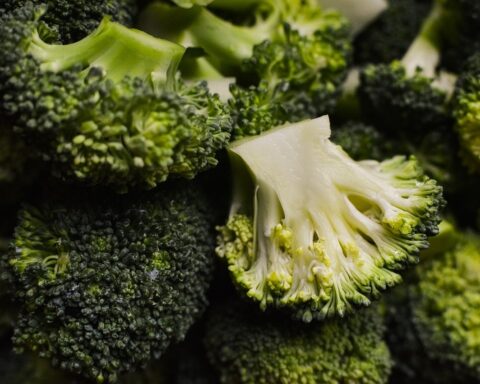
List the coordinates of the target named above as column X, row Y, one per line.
column 117, row 50
column 239, row 5
column 424, row 52
column 232, row 43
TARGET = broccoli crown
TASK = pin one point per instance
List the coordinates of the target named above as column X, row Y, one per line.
column 322, row 249
column 360, row 141
column 76, row 19
column 467, row 112
column 104, row 288
column 461, row 36
column 407, row 95
column 390, row 35
column 445, row 306
column 118, row 121
column 392, row 99
column 246, row 347
column 294, row 54
column 13, row 155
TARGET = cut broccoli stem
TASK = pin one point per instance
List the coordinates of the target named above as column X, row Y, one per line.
column 326, row 232
column 117, row 50
column 360, row 13
column 424, row 52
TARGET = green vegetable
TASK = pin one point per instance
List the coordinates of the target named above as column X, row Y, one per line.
column 248, row 348
column 105, row 287
column 75, row 19
column 108, row 109
column 445, row 306
column 315, row 232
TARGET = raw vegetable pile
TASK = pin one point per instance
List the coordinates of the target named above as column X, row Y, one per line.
column 239, row 192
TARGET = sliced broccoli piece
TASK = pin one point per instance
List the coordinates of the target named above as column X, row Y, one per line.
column 104, row 287
column 109, row 108
column 315, row 232
column 445, row 306
column 360, row 14
column 389, row 36
column 247, row 347
column 75, row 19
column 405, row 96
column 467, row 112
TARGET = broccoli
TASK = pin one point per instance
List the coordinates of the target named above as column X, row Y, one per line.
column 109, row 108
column 105, row 287
column 466, row 105
column 290, row 62
column 247, row 347
column 76, row 19
column 360, row 14
column 389, row 36
column 412, row 363
column 406, row 96
column 460, row 33
column 360, row 141
column 445, row 304
column 13, row 156
column 315, row 232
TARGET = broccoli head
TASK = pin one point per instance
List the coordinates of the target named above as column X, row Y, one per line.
column 407, row 96
column 390, row 35
column 105, row 287
column 445, row 304
column 76, row 19
column 467, row 112
column 360, row 141
column 290, row 57
column 108, row 109
column 315, row 232
column 247, row 347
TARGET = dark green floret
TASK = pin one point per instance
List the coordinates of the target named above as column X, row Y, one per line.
column 108, row 109
column 75, row 19
column 407, row 95
column 247, row 347
column 390, row 35
column 466, row 105
column 445, row 306
column 105, row 287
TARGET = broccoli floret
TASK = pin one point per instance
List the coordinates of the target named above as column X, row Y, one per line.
column 75, row 19
column 389, row 36
column 13, row 156
column 412, row 364
column 460, row 33
column 360, row 14
column 290, row 61
column 315, row 232
column 361, row 141
column 445, row 306
column 248, row 347
column 407, row 96
column 467, row 112
column 107, row 109
column 105, row 287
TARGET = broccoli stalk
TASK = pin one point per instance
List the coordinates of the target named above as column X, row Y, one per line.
column 314, row 231
column 108, row 109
